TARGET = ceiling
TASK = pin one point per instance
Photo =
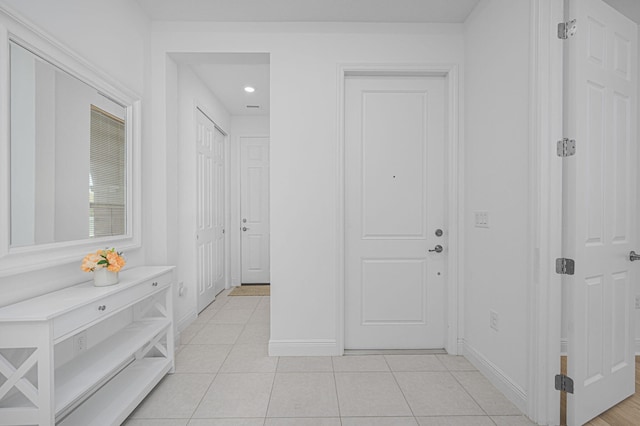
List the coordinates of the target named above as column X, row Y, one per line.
column 227, row 74
column 432, row 11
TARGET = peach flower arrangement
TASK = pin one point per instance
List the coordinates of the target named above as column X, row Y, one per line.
column 106, row 258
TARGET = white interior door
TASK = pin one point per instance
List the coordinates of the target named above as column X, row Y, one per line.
column 394, row 173
column 254, row 209
column 210, row 216
column 599, row 212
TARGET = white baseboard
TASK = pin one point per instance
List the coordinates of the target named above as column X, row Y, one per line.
column 186, row 320
column 514, row 393
column 183, row 323
column 316, row 347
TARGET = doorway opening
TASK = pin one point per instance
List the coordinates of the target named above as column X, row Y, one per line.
column 216, row 86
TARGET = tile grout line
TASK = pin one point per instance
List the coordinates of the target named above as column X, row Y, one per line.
column 335, row 385
column 471, row 396
column 214, row 376
column 395, row 379
column 273, row 384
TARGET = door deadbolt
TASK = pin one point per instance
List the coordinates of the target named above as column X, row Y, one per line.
column 439, row 232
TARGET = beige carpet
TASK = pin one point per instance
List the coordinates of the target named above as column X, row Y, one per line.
column 251, row 290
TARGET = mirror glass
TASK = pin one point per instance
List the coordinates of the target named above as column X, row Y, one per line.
column 68, row 156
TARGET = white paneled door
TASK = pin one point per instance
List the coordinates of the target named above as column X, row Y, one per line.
column 210, row 215
column 599, row 211
column 394, row 199
column 254, row 209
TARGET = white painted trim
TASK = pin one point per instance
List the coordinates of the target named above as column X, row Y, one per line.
column 314, row 347
column 182, row 325
column 455, row 193
column 514, row 393
column 186, row 320
column 545, row 186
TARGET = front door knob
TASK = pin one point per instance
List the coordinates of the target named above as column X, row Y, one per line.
column 634, row 256
column 244, row 228
column 437, row 249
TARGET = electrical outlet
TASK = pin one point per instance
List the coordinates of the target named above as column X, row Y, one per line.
column 481, row 219
column 80, row 342
column 638, row 302
column 494, row 319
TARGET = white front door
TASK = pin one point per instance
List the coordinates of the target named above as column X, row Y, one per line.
column 394, row 173
column 254, row 209
column 210, row 217
column 599, row 211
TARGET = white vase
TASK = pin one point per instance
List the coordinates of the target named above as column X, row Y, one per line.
column 104, row 277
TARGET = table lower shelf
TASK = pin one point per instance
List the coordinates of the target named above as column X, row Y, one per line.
column 81, row 374
column 112, row 403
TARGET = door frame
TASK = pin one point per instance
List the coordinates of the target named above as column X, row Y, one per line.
column 454, row 193
column 545, row 189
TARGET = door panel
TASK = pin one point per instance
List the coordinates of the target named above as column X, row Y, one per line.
column 254, row 209
column 599, row 211
column 376, row 276
column 210, row 218
column 394, row 156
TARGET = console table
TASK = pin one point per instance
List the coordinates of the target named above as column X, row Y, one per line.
column 102, row 382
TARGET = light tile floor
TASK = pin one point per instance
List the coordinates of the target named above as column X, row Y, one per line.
column 225, row 377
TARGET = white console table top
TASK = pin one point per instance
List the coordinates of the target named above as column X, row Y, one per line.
column 50, row 305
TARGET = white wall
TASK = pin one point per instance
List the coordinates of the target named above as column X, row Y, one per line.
column 191, row 93
column 114, row 37
column 304, row 135
column 497, row 181
column 240, row 126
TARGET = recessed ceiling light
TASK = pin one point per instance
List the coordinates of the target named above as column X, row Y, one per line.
column 249, row 89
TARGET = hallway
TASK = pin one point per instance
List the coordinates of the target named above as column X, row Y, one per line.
column 224, row 376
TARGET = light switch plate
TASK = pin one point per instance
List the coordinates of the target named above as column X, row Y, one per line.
column 481, row 219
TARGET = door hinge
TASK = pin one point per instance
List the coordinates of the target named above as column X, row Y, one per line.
column 564, row 383
column 567, row 29
column 566, row 147
column 565, row 266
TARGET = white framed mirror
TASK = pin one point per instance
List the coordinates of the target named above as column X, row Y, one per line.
column 69, row 148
